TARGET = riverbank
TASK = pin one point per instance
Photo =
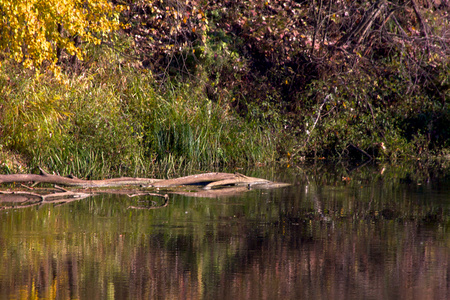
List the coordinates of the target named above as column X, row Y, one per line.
column 115, row 120
column 220, row 85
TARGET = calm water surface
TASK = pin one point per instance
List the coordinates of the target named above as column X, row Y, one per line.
column 371, row 233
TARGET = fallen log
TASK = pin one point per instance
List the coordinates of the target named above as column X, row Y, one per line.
column 208, row 180
column 214, row 184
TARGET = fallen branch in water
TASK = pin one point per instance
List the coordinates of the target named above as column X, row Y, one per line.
column 44, row 177
column 209, row 180
column 200, row 185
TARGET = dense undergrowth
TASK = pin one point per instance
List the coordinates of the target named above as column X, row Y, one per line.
column 205, row 84
column 114, row 119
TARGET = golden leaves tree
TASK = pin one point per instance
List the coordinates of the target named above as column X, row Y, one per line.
column 32, row 32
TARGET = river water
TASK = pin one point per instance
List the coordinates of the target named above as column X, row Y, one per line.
column 375, row 232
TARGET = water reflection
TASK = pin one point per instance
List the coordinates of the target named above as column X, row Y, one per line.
column 367, row 238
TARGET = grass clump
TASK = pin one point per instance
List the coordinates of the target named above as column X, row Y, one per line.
column 114, row 119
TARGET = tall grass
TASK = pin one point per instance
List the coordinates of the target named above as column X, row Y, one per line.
column 114, row 119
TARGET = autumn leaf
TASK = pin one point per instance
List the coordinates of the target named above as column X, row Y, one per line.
column 32, row 30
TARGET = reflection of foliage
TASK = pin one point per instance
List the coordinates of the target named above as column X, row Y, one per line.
column 209, row 83
column 347, row 236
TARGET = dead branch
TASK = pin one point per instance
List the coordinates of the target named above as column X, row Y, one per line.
column 236, row 181
column 44, row 177
column 201, row 179
column 359, row 32
column 362, row 151
column 212, row 184
column 198, row 179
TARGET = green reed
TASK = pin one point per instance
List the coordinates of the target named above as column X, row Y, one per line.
column 110, row 121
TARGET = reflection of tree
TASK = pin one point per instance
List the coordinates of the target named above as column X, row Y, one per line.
column 328, row 263
column 375, row 260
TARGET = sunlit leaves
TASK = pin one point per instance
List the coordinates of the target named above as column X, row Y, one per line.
column 31, row 31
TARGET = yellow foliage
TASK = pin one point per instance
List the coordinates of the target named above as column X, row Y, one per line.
column 32, row 30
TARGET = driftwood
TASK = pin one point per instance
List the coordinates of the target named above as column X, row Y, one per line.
column 44, row 177
column 209, row 185
column 210, row 180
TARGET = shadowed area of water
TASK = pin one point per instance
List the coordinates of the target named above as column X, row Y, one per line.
column 378, row 232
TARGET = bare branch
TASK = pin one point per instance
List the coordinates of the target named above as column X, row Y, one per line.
column 208, row 181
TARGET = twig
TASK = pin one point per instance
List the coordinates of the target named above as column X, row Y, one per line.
column 27, row 187
column 318, row 117
column 60, row 188
column 362, row 151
